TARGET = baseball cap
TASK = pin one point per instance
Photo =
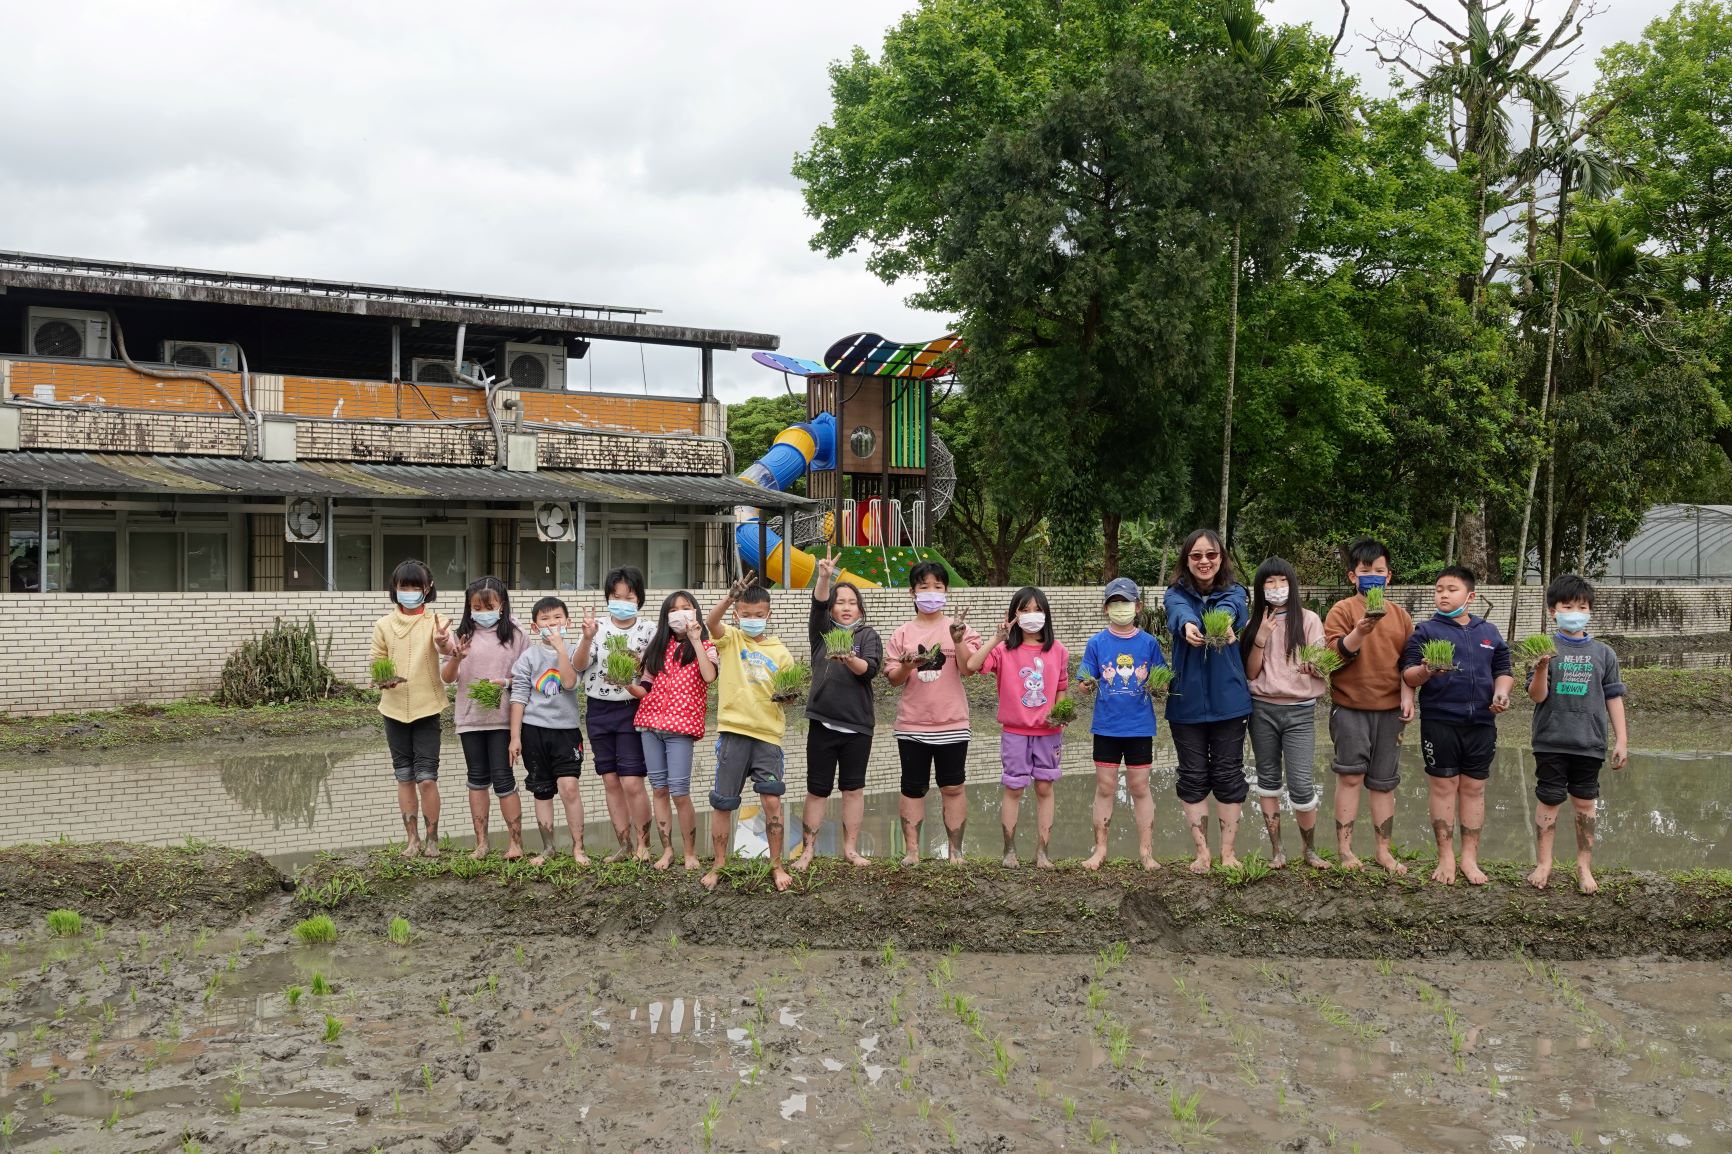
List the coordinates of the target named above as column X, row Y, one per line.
column 1122, row 587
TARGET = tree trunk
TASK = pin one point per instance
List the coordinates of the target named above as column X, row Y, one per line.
column 1109, row 546
column 1232, row 368
column 1449, row 546
column 1473, row 544
column 1582, row 554
column 1548, row 554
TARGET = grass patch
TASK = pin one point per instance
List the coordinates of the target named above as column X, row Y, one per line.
column 65, row 923
column 398, row 931
column 318, row 930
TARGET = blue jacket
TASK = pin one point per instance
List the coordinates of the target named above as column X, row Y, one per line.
column 1208, row 684
column 1481, row 657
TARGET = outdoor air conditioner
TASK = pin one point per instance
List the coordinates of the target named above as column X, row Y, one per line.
column 554, row 522
column 304, row 520
column 433, row 371
column 533, row 366
column 71, row 333
column 218, row 355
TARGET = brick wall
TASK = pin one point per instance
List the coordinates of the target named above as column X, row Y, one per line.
column 168, row 646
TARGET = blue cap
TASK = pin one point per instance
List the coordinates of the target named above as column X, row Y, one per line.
column 1122, row 587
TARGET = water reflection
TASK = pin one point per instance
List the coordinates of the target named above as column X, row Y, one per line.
column 284, row 787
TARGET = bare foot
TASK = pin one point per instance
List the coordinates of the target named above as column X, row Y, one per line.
column 1230, row 860
column 1471, row 871
column 1444, row 874
column 513, row 852
column 666, row 860
column 781, row 878
column 693, row 864
column 1540, row 877
column 429, row 849
column 1318, row 862
column 956, row 857
column 804, row 861
column 909, row 859
column 620, row 854
column 413, row 849
column 1585, row 879
column 642, row 853
column 709, row 880
column 856, row 858
column 1150, row 864
column 538, row 860
column 482, row 849
column 1350, row 861
column 1278, row 862
column 1390, row 862
column 1096, row 859
column 578, row 856
column 1041, row 861
column 1010, row 860
column 1201, row 864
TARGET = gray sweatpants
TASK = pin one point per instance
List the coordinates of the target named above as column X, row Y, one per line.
column 1285, row 735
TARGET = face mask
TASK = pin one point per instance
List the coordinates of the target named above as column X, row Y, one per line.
column 1452, row 614
column 1276, row 597
column 929, row 602
column 1121, row 613
column 681, row 620
column 1031, row 622
column 486, row 619
column 410, row 598
column 1369, row 581
column 622, row 610
column 850, row 626
column 550, row 633
column 1573, row 621
column 753, row 626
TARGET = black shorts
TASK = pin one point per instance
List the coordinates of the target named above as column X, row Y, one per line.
column 548, row 755
column 922, row 763
column 1557, row 775
column 834, row 758
column 1211, row 760
column 1135, row 752
column 487, row 756
column 1453, row 748
column 613, row 738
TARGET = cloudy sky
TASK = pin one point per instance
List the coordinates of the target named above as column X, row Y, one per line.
column 630, row 154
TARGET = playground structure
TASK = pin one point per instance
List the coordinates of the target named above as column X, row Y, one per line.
column 868, row 452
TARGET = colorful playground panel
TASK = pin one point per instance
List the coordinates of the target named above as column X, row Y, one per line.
column 798, row 366
column 870, row 355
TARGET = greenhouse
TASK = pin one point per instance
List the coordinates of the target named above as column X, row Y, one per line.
column 1677, row 545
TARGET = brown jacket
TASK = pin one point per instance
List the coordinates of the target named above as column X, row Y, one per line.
column 1373, row 679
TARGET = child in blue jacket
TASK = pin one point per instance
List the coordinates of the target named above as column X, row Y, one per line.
column 1210, row 701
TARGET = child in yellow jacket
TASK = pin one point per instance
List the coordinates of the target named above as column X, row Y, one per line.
column 411, row 697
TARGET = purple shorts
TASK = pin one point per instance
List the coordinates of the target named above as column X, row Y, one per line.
column 1029, row 759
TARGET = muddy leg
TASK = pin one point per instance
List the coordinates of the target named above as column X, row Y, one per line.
column 573, row 803
column 429, row 791
column 544, row 824
column 1545, row 833
column 410, row 808
column 511, row 809
column 1143, row 806
column 1472, row 821
column 1009, row 813
column 637, row 804
column 721, row 833
column 1586, row 823
column 811, row 825
column 618, row 815
column 853, row 813
column 773, row 833
column 480, row 810
column 688, row 819
column 1347, row 786
column 1197, row 821
column 1442, row 792
column 911, row 814
column 664, row 808
column 953, row 804
column 1306, row 820
column 1043, row 814
column 1227, row 816
column 1101, row 811
column 1383, row 827
column 1271, row 807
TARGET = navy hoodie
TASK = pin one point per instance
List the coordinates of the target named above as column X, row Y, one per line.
column 1208, row 684
column 1463, row 696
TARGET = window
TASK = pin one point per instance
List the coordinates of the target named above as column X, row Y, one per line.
column 668, row 568
column 172, row 560
column 24, row 552
column 445, row 554
column 85, row 561
column 352, row 556
column 633, row 551
column 546, row 564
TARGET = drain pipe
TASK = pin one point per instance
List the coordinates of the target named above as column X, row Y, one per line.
column 247, row 400
column 248, row 449
column 42, row 548
column 488, row 387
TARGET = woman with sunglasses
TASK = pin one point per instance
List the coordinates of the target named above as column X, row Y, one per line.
column 1209, row 702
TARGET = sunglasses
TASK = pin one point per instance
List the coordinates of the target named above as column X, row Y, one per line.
column 1205, row 556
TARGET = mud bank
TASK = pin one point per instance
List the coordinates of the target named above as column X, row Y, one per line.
column 978, row 907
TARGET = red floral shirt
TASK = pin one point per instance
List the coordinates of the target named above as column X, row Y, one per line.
column 678, row 697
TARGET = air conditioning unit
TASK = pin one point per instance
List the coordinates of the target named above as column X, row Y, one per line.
column 70, row 333
column 533, row 366
column 554, row 522
column 304, row 520
column 433, row 371
column 221, row 356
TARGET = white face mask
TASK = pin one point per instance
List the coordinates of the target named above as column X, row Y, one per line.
column 680, row 620
column 1276, row 597
column 1031, row 622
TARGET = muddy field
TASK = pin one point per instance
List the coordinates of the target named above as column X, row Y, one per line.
column 969, row 1010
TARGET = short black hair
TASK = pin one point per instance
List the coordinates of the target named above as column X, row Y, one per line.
column 1461, row 573
column 1569, row 587
column 628, row 575
column 548, row 605
column 1365, row 551
column 928, row 569
column 852, row 588
column 754, row 595
column 415, row 575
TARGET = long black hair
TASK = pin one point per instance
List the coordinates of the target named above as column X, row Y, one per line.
column 655, row 656
column 1024, row 595
column 1223, row 576
column 493, row 586
column 1295, row 608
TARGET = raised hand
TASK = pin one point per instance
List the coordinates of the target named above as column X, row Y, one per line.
column 744, row 583
column 590, row 625
column 959, row 626
column 827, row 568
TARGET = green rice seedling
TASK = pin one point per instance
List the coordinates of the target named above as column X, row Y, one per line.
column 321, row 988
column 190, row 1145
column 399, row 932
column 1002, row 1061
column 333, row 1028
column 1069, row 1109
column 384, row 672
column 427, row 1077
column 1322, row 658
column 1118, row 1044
column 838, row 642
column 232, row 1100
column 113, row 1119
column 1158, row 681
column 318, row 930
column 1438, row 656
column 1097, row 1131
column 620, row 666
column 518, row 956
column 1183, row 1109
column 1218, row 628
column 65, row 923
column 1531, row 649
column 8, row 1125
column 1063, row 712
column 487, row 694
column 294, row 994
column 707, row 1122
column 443, row 1005
column 787, row 683
column 1376, row 602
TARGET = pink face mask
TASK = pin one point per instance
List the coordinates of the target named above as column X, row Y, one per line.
column 929, row 602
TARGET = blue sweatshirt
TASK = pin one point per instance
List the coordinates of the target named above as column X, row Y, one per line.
column 1481, row 657
column 1208, row 684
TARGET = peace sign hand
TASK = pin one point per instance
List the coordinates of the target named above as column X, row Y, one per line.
column 959, row 626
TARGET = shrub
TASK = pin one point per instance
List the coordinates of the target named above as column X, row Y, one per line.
column 285, row 663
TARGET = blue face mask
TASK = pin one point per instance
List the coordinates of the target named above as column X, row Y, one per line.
column 1370, row 581
column 622, row 610
column 486, row 619
column 1452, row 614
column 1573, row 620
column 410, row 598
column 753, row 626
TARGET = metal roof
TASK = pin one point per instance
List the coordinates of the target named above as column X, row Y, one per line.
column 229, row 476
column 1677, row 544
column 166, row 282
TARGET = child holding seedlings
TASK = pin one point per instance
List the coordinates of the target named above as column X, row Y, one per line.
column 544, row 726
column 1282, row 652
column 1032, row 670
column 1574, row 691
column 1370, row 702
column 615, row 747
column 751, row 724
column 407, row 645
column 846, row 655
column 926, row 659
column 673, row 696
column 1210, row 702
column 1119, row 665
column 1462, row 670
column 487, row 644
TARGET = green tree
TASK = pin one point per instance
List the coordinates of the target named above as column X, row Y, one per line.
column 754, row 422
